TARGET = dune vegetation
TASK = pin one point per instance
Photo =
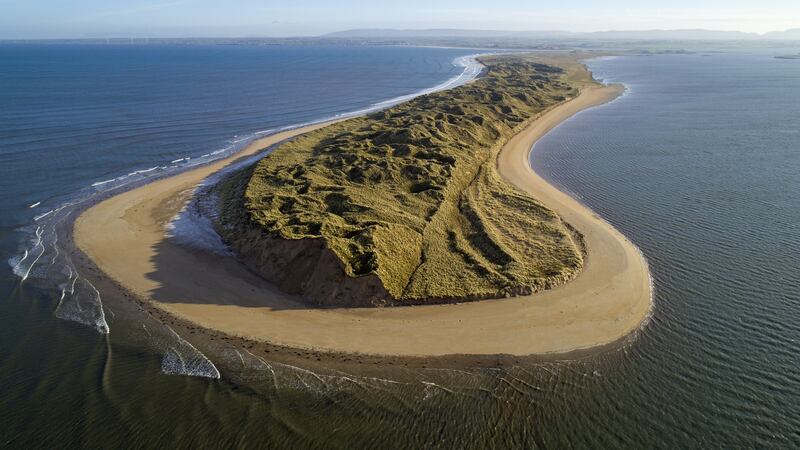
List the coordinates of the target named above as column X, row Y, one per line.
column 405, row 206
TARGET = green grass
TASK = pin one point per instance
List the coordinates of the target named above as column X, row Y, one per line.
column 411, row 193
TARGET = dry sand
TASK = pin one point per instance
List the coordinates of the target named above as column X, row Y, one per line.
column 124, row 236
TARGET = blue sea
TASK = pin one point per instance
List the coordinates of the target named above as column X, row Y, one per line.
column 698, row 164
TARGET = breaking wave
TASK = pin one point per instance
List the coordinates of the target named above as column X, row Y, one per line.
column 182, row 358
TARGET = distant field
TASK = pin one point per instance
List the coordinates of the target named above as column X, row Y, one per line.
column 405, row 206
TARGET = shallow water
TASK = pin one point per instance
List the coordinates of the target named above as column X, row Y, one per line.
column 698, row 164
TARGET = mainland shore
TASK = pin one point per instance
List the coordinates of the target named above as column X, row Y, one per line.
column 125, row 238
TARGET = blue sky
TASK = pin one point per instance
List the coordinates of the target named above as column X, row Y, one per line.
column 182, row 18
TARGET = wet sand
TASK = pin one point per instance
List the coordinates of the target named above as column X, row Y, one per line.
column 125, row 237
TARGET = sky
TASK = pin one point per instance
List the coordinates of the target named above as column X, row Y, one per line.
column 251, row 18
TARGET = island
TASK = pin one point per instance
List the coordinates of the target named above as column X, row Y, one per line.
column 417, row 231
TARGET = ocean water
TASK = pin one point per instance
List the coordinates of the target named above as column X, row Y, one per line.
column 699, row 164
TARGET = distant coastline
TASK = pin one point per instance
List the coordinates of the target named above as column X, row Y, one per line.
column 124, row 236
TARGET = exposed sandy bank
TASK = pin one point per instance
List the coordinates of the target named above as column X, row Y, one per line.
column 124, row 236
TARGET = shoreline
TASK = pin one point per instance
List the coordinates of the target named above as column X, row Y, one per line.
column 124, row 236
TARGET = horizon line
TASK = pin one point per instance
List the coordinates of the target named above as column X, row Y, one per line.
column 409, row 31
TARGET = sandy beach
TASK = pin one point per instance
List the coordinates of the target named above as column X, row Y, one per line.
column 125, row 237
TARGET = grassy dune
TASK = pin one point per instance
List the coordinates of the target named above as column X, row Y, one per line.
column 410, row 197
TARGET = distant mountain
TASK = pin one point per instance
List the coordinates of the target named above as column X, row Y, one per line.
column 793, row 34
column 674, row 35
column 389, row 33
column 644, row 35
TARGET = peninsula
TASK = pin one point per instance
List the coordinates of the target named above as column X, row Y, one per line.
column 434, row 201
